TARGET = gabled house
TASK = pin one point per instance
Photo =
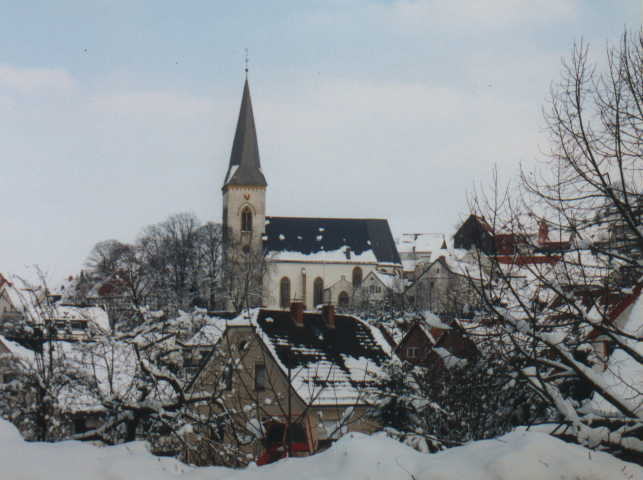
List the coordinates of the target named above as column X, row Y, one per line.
column 378, row 286
column 429, row 342
column 622, row 373
column 447, row 286
column 620, row 315
column 418, row 250
column 475, row 232
column 274, row 368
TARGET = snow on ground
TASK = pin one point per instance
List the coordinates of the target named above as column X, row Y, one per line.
column 523, row 455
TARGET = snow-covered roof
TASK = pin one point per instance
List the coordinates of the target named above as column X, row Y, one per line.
column 91, row 314
column 623, row 375
column 391, row 281
column 330, row 239
column 208, row 334
column 17, row 350
column 328, row 366
column 422, row 242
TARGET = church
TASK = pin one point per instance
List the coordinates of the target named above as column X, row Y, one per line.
column 311, row 260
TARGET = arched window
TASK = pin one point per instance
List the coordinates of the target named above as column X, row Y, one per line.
column 357, row 277
column 318, row 291
column 284, row 292
column 343, row 299
column 246, row 220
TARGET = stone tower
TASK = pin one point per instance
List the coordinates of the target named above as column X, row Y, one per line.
column 244, row 187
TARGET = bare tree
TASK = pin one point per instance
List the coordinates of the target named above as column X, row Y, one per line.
column 575, row 238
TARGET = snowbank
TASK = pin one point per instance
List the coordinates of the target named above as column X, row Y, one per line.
column 524, row 455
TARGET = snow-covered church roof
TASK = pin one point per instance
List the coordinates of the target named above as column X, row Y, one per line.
column 330, row 239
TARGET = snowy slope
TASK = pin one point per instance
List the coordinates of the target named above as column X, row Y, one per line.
column 524, row 455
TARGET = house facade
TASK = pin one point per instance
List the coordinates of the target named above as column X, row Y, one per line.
column 273, row 368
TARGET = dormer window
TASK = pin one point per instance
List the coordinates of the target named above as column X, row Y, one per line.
column 246, row 220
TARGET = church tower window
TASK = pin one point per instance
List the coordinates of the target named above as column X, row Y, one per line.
column 284, row 292
column 318, row 291
column 357, row 277
column 246, row 220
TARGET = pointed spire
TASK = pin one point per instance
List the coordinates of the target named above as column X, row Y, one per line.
column 245, row 168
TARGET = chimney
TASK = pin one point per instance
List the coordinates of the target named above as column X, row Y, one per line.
column 297, row 313
column 328, row 315
column 543, row 232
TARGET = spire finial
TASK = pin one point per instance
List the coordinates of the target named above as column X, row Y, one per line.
column 246, row 62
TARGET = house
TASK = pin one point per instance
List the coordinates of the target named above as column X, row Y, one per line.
column 447, row 286
column 430, row 342
column 12, row 301
column 312, row 260
column 475, row 232
column 618, row 313
column 419, row 249
column 524, row 248
column 622, row 374
column 272, row 368
column 378, row 287
column 24, row 311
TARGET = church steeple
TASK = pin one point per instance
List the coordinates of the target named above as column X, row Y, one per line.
column 245, row 168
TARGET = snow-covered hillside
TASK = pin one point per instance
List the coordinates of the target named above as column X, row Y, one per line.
column 528, row 456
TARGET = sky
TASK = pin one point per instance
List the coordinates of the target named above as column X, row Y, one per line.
column 116, row 114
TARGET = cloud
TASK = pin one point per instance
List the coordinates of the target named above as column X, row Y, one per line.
column 150, row 103
column 27, row 80
column 467, row 14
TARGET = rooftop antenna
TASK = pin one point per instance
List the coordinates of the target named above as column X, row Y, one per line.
column 246, row 62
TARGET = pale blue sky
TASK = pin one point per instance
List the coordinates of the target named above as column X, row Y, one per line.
column 115, row 114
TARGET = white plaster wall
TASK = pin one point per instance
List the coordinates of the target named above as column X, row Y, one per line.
column 330, row 272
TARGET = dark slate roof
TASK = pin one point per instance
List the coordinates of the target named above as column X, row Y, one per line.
column 244, row 168
column 300, row 346
column 328, row 364
column 313, row 235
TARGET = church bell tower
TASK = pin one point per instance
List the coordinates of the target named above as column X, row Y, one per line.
column 244, row 187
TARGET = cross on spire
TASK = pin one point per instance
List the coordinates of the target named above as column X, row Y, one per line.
column 246, row 62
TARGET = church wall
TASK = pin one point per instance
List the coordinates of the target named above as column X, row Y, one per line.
column 235, row 198
column 301, row 286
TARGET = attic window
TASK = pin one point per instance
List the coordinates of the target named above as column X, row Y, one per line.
column 261, row 377
column 227, row 377
column 412, row 352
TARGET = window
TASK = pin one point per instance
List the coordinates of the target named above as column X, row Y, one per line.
column 227, row 377
column 318, row 291
column 80, row 426
column 412, row 352
column 284, row 292
column 357, row 277
column 246, row 220
column 261, row 377
column 343, row 299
